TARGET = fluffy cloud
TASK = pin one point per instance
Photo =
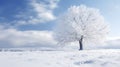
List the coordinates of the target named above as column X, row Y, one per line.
column 112, row 44
column 17, row 38
column 38, row 12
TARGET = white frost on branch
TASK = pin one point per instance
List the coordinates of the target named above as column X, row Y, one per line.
column 81, row 21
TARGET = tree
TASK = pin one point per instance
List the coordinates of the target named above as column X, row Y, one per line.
column 82, row 24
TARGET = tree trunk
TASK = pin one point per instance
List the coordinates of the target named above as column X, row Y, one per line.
column 80, row 43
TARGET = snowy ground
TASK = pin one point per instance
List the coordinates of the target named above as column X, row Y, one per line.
column 86, row 58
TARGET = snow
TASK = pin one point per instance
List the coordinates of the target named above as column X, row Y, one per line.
column 85, row 58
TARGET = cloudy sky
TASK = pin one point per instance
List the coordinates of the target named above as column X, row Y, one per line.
column 29, row 23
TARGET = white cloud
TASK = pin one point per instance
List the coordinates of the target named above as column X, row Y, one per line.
column 112, row 44
column 113, row 38
column 38, row 12
column 17, row 38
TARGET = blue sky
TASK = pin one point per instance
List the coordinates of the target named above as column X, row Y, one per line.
column 39, row 16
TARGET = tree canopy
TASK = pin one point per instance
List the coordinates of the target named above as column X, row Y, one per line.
column 81, row 22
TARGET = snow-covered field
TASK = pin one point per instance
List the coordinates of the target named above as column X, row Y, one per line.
column 85, row 58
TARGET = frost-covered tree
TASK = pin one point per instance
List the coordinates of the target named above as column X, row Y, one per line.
column 82, row 24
